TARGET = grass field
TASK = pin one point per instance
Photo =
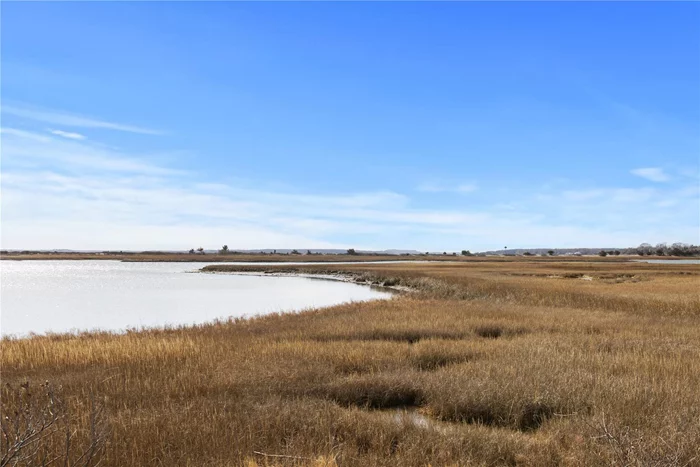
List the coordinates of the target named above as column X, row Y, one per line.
column 537, row 362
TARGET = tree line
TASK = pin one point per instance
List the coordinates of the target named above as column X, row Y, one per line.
column 664, row 249
column 645, row 249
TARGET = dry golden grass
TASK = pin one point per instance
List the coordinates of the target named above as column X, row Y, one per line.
column 488, row 363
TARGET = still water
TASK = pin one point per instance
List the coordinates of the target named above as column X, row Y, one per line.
column 60, row 296
column 668, row 261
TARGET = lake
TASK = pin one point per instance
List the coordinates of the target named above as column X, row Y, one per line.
column 60, row 296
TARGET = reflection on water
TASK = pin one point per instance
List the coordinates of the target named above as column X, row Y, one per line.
column 668, row 261
column 59, row 296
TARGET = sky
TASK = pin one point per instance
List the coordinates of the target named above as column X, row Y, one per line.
column 427, row 126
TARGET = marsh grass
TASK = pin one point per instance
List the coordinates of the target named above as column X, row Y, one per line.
column 511, row 365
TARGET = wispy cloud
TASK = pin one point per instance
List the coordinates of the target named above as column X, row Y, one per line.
column 435, row 187
column 690, row 172
column 30, row 149
column 582, row 195
column 62, row 192
column 70, row 120
column 23, row 134
column 430, row 187
column 67, row 134
column 654, row 174
column 466, row 188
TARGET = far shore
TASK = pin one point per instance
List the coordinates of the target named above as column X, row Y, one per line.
column 207, row 258
column 300, row 258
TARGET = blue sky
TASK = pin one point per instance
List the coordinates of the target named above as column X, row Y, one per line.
column 434, row 126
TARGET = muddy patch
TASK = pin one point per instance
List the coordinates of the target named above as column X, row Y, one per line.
column 410, row 336
column 434, row 360
column 373, row 393
column 608, row 278
column 489, row 332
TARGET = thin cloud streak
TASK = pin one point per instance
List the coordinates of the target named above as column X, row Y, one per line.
column 68, row 134
column 466, row 188
column 654, row 174
column 69, row 120
column 25, row 148
column 434, row 187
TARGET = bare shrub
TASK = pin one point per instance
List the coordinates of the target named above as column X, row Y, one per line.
column 37, row 429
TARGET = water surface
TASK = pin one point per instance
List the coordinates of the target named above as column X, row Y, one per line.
column 668, row 261
column 66, row 295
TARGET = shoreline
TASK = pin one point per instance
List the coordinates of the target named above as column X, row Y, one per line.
column 349, row 278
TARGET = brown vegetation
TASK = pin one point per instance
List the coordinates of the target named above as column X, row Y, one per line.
column 488, row 363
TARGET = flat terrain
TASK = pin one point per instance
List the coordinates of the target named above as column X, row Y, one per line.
column 281, row 258
column 508, row 362
column 210, row 257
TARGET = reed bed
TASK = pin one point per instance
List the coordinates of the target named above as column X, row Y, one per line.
column 500, row 363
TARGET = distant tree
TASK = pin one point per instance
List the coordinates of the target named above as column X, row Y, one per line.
column 427, row 253
column 616, row 252
column 351, row 251
column 550, row 252
column 466, row 253
column 295, row 252
column 224, row 250
column 308, row 252
column 200, row 250
column 454, row 253
column 444, row 252
column 679, row 249
column 603, row 253
column 527, row 253
column 644, row 249
column 191, row 251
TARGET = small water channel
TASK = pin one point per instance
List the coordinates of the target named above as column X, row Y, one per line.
column 668, row 261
